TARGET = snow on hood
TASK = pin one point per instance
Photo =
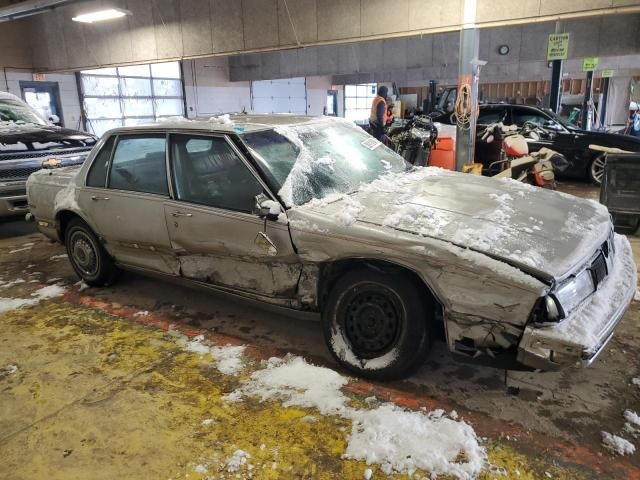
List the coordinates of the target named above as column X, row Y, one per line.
column 533, row 228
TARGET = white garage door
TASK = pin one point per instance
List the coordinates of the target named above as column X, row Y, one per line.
column 288, row 95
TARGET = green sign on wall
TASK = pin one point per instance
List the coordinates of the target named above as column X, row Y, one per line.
column 558, row 46
column 589, row 64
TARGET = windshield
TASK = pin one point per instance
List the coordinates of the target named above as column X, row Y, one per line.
column 312, row 161
column 560, row 120
column 18, row 112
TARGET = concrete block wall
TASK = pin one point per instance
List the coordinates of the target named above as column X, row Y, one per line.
column 415, row 60
column 172, row 29
column 69, row 99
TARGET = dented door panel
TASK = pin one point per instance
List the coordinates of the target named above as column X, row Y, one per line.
column 223, row 248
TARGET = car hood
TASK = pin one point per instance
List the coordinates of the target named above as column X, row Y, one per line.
column 543, row 232
column 16, row 138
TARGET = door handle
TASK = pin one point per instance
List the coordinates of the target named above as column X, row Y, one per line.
column 180, row 214
column 95, row 199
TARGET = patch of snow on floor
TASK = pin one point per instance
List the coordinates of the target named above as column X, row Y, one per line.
column 398, row 440
column 44, row 293
column 200, row 469
column 237, row 460
column 8, row 370
column 82, row 285
column 11, row 283
column 142, row 313
column 616, row 444
column 403, row 441
column 636, row 381
column 297, row 383
column 228, row 358
column 632, row 417
column 20, row 250
column 58, row 257
column 636, row 297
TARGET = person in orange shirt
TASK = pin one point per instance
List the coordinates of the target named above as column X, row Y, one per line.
column 378, row 117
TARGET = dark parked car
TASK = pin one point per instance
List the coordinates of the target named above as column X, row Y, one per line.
column 565, row 138
column 26, row 141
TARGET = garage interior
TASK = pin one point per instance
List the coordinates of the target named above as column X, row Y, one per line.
column 146, row 378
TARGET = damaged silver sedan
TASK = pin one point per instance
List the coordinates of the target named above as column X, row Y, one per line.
column 314, row 214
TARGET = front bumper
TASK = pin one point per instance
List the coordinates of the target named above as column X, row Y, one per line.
column 13, row 199
column 581, row 336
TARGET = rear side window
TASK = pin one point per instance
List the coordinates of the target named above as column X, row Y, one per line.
column 97, row 176
column 139, row 165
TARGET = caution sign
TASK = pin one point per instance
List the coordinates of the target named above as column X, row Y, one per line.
column 589, row 64
column 558, row 46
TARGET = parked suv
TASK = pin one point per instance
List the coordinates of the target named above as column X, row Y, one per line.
column 26, row 141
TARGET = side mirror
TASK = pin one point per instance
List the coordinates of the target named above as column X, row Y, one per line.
column 267, row 208
column 55, row 119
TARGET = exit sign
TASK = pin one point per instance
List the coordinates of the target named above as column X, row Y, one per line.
column 39, row 77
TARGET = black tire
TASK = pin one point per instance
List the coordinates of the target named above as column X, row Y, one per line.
column 378, row 325
column 87, row 256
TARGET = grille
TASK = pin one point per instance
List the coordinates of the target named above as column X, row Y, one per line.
column 17, row 173
column 599, row 269
column 44, row 153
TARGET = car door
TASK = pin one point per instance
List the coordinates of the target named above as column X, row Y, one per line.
column 214, row 230
column 123, row 199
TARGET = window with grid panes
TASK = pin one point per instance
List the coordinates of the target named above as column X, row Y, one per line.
column 132, row 95
column 358, row 99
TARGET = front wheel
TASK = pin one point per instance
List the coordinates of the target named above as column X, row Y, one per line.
column 377, row 325
column 88, row 258
column 596, row 169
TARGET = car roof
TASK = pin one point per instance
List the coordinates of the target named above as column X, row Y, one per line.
column 234, row 123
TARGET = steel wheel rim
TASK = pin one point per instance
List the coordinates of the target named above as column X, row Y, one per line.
column 597, row 169
column 84, row 254
column 372, row 320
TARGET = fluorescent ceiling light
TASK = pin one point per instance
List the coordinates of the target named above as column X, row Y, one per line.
column 101, row 15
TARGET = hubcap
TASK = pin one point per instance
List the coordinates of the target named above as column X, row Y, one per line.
column 372, row 321
column 83, row 254
column 597, row 169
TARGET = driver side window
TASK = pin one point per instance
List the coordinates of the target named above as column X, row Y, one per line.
column 207, row 171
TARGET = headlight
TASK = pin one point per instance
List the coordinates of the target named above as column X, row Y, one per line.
column 571, row 293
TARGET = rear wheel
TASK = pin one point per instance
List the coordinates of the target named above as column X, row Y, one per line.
column 88, row 258
column 596, row 169
column 377, row 324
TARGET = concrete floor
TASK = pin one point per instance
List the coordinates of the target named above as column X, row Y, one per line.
column 103, row 391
